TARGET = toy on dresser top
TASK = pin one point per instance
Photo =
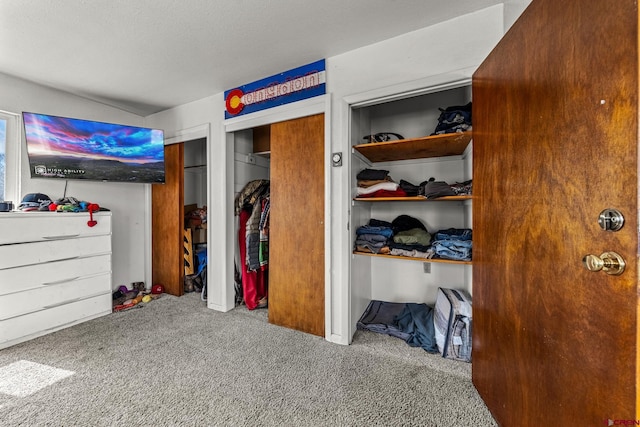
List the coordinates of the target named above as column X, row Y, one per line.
column 42, row 202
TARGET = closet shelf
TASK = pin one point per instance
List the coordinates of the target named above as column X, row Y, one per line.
column 411, row 199
column 450, row 144
column 436, row 260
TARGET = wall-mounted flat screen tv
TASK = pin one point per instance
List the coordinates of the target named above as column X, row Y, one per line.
column 65, row 148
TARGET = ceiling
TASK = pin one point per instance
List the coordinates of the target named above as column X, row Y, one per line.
column 145, row 56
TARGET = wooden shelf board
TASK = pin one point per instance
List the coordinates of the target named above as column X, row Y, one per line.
column 450, row 144
column 436, row 260
column 411, row 199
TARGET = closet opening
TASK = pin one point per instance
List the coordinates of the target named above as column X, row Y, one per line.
column 251, row 217
column 179, row 220
column 279, row 221
column 195, row 216
column 400, row 268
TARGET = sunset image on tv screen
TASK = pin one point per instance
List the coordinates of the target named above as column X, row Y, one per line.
column 67, row 148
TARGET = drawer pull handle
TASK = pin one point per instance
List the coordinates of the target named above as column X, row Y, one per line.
column 57, row 282
column 64, row 236
column 46, row 307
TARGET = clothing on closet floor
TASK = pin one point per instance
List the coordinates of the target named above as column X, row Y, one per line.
column 411, row 322
column 416, row 320
column 379, row 317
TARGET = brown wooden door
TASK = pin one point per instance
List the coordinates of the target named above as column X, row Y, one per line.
column 167, row 249
column 555, row 126
column 296, row 236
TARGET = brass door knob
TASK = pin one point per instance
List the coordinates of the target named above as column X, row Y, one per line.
column 609, row 262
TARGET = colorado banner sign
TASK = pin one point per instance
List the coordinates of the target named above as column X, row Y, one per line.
column 291, row 86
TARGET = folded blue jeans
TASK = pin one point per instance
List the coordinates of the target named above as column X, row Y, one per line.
column 453, row 234
column 459, row 250
column 368, row 229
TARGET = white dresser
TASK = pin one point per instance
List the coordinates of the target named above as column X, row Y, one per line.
column 55, row 271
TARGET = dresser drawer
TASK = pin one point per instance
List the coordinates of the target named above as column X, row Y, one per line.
column 49, row 274
column 48, row 297
column 22, row 328
column 36, row 226
column 39, row 252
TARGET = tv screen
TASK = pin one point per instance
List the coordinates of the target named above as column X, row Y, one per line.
column 61, row 147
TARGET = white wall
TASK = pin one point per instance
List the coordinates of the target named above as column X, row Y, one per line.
column 512, row 11
column 126, row 201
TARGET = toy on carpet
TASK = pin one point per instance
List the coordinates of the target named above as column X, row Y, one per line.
column 125, row 298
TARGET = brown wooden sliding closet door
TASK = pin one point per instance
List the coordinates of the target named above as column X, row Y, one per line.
column 167, row 249
column 296, row 237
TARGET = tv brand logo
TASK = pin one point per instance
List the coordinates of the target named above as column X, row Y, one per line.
column 43, row 170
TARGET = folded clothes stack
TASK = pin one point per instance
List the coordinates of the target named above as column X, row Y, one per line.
column 453, row 243
column 374, row 237
column 377, row 183
column 407, row 236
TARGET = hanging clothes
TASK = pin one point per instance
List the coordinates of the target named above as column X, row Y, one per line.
column 254, row 282
column 264, row 232
column 250, row 206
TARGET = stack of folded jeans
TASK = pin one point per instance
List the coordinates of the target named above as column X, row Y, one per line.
column 373, row 237
column 453, row 243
